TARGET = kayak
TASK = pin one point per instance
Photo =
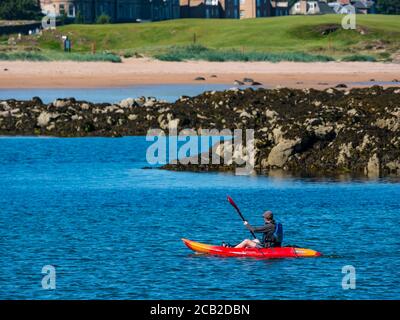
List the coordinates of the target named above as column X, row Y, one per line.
column 266, row 253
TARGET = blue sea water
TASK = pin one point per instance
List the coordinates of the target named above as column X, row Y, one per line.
column 112, row 230
column 168, row 92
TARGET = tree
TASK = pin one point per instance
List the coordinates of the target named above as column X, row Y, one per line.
column 20, row 10
column 388, row 6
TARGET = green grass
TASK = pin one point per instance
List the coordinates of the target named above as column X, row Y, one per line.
column 58, row 56
column 198, row 52
column 31, row 56
column 290, row 37
column 359, row 57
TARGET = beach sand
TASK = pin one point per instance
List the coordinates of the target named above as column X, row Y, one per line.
column 58, row 74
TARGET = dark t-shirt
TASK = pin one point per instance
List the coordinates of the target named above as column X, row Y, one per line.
column 267, row 230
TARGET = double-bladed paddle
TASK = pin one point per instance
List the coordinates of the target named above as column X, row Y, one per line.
column 240, row 214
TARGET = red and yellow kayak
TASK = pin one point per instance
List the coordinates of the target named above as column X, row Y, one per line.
column 266, row 253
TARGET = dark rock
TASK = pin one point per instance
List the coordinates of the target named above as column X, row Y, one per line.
column 248, row 80
column 238, row 83
column 199, row 78
column 255, row 83
column 184, row 98
column 213, row 76
column 37, row 100
column 341, row 85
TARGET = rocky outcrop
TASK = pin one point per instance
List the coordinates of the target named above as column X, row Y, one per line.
column 308, row 131
column 279, row 154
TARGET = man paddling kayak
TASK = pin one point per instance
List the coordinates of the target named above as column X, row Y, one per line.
column 268, row 230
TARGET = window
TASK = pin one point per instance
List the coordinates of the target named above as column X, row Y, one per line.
column 242, row 1
column 71, row 10
column 62, row 9
column 211, row 2
column 242, row 14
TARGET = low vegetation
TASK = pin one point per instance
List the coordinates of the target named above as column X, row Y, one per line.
column 359, row 57
column 198, row 52
column 58, row 56
column 103, row 19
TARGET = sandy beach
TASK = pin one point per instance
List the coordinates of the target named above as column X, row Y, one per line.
column 24, row 74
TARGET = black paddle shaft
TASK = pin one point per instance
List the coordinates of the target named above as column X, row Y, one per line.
column 240, row 214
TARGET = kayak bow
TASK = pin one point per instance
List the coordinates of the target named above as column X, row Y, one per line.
column 267, row 253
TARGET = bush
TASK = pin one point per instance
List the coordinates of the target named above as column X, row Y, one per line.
column 103, row 19
column 110, row 57
column 30, row 56
column 62, row 19
column 359, row 57
column 131, row 53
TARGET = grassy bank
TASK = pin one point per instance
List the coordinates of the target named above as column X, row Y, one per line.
column 293, row 37
column 57, row 56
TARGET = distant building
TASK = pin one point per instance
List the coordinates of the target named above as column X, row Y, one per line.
column 280, row 8
column 364, row 6
column 117, row 10
column 311, row 7
column 304, row 7
column 200, row 9
column 351, row 6
column 232, row 9
column 244, row 9
column 58, row 7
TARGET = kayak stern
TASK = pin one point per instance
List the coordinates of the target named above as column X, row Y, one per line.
column 197, row 246
column 302, row 252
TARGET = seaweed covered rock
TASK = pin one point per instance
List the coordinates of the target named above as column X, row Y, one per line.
column 309, row 131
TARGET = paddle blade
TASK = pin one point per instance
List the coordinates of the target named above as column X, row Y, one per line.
column 240, row 214
column 232, row 202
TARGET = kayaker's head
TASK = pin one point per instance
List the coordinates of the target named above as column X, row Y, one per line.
column 268, row 216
